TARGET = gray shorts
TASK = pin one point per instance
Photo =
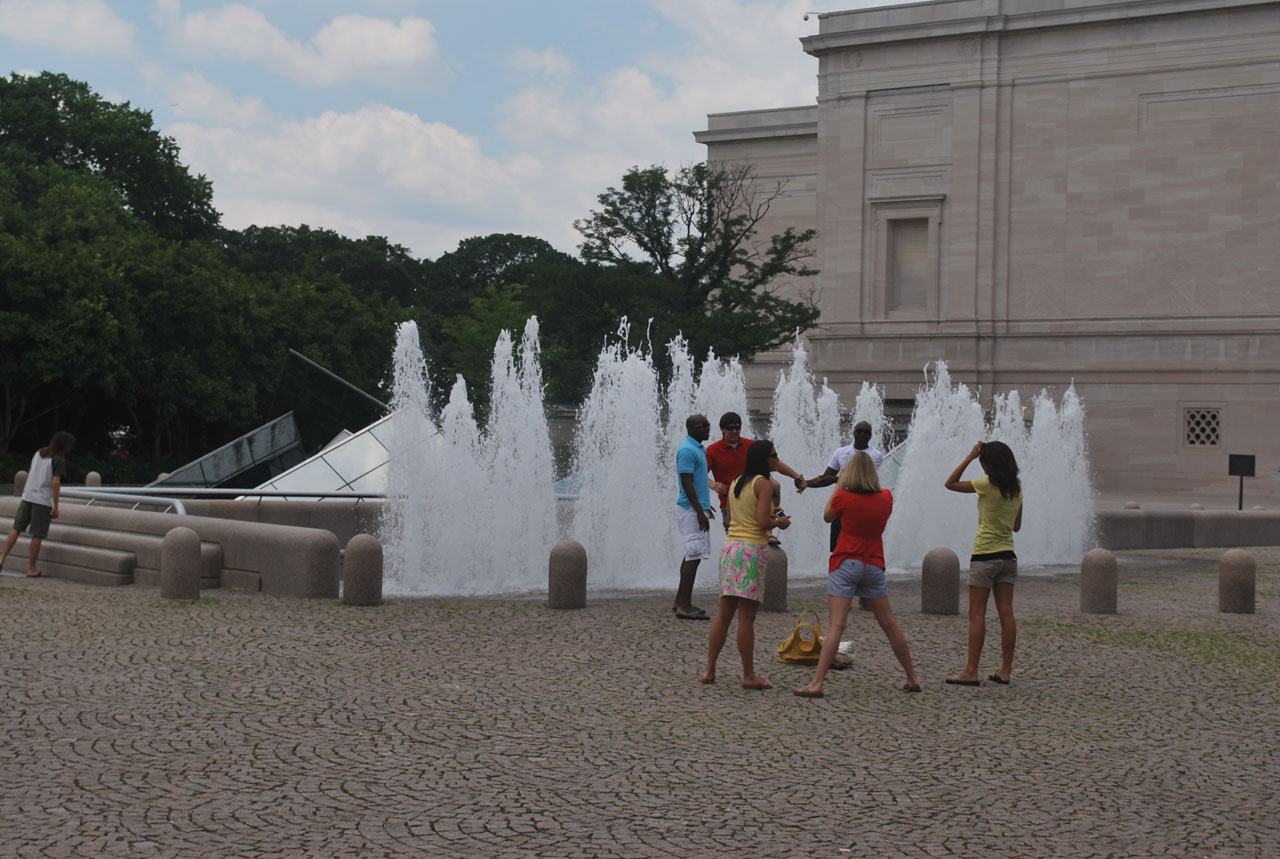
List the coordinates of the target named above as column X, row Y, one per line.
column 856, row 579
column 37, row 516
column 988, row 574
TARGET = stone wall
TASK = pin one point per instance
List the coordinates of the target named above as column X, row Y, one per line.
column 1099, row 183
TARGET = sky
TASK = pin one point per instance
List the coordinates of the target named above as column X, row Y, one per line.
column 425, row 121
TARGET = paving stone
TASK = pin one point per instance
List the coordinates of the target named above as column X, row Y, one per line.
column 252, row 725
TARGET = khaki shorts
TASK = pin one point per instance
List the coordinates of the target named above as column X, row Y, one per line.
column 37, row 516
column 988, row 574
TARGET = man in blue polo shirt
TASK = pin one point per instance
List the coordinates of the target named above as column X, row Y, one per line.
column 693, row 512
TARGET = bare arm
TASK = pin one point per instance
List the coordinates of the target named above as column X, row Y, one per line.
column 1017, row 521
column 829, row 515
column 57, row 493
column 827, row 478
column 686, row 483
column 782, row 468
column 766, row 520
column 954, row 483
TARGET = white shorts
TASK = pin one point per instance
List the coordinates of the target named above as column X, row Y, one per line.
column 697, row 543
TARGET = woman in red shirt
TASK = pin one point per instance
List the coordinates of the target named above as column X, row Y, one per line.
column 857, row 566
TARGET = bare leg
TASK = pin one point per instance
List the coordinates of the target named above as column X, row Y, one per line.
column 8, row 547
column 747, row 645
column 977, row 631
column 35, row 555
column 1008, row 627
column 837, row 617
column 719, row 633
column 897, row 640
column 684, row 594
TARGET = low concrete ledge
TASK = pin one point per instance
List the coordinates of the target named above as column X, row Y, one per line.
column 88, row 564
column 1122, row 529
column 1186, row 529
column 344, row 518
column 290, row 561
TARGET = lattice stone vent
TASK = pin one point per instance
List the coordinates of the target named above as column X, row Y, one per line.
column 1202, row 427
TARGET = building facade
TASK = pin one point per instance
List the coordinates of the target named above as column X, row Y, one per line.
column 1048, row 191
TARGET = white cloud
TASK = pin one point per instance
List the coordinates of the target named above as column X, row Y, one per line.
column 367, row 168
column 349, row 47
column 192, row 96
column 386, row 171
column 549, row 63
column 80, row 26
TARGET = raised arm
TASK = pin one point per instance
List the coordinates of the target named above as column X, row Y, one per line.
column 954, row 483
column 782, row 468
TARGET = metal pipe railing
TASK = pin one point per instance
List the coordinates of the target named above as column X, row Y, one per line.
column 168, row 502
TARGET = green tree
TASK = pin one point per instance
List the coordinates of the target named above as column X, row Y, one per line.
column 51, row 120
column 696, row 231
column 371, row 265
column 65, row 320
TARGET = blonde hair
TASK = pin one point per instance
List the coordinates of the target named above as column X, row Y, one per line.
column 859, row 475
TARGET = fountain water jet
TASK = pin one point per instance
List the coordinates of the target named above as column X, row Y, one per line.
column 628, row 430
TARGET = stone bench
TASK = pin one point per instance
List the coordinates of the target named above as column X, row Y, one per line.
column 144, row 547
column 78, row 563
column 278, row 559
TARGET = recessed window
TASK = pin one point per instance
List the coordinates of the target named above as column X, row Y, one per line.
column 908, row 263
column 905, row 234
column 1202, row 427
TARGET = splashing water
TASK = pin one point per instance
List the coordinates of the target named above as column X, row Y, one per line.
column 629, row 428
column 442, row 479
column 1051, row 456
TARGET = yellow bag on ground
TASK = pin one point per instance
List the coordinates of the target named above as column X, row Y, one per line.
column 804, row 644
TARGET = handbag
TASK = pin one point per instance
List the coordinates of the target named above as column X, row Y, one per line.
column 804, row 645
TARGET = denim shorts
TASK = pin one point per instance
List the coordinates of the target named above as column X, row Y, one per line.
column 856, row 579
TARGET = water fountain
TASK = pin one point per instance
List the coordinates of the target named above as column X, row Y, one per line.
column 476, row 512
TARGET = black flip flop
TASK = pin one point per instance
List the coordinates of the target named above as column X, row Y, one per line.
column 956, row 681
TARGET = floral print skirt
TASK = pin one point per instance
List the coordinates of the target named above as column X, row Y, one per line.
column 742, row 570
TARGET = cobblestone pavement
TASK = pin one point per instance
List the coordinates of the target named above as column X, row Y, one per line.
column 250, row 725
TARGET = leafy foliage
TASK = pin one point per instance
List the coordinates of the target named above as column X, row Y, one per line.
column 128, row 312
column 696, row 232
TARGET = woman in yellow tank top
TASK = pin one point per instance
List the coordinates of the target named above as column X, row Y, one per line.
column 993, row 567
column 752, row 515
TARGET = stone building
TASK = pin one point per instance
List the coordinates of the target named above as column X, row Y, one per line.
column 1041, row 191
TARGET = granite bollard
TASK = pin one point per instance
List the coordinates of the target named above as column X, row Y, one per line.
column 567, row 575
column 1237, row 582
column 92, row 479
column 19, row 482
column 940, row 582
column 362, row 571
column 775, row 580
column 1099, row 581
column 180, row 565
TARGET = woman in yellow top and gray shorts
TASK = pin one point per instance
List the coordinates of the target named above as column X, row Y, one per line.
column 993, row 567
column 752, row 515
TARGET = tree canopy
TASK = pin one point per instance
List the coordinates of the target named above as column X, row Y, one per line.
column 696, row 232
column 129, row 311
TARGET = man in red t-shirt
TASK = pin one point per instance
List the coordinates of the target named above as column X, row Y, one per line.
column 727, row 457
